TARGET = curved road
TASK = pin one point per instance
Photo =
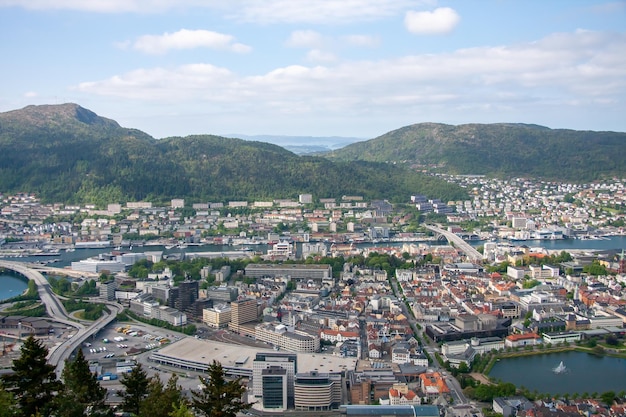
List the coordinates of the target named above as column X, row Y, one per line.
column 57, row 312
column 459, row 243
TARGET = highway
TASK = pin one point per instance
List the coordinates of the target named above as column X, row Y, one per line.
column 459, row 243
column 55, row 309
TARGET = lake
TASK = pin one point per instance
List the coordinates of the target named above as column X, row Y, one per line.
column 11, row 286
column 583, row 372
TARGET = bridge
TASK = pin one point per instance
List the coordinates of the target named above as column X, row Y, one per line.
column 471, row 253
column 55, row 309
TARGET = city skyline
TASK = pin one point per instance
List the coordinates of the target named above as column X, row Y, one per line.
column 356, row 68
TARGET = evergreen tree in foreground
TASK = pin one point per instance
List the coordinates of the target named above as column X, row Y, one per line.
column 82, row 394
column 162, row 400
column 219, row 397
column 33, row 381
column 136, row 384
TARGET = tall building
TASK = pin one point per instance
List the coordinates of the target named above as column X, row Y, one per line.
column 263, row 361
column 187, row 295
column 242, row 312
column 107, row 290
column 274, row 382
column 314, row 391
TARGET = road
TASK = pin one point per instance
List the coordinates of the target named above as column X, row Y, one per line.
column 55, row 309
column 459, row 243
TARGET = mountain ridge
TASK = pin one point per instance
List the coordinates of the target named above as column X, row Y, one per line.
column 65, row 153
column 499, row 149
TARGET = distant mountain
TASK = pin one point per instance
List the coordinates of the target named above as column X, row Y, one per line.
column 302, row 145
column 497, row 149
column 65, row 153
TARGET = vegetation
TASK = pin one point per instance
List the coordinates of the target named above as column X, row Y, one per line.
column 81, row 393
column 91, row 311
column 33, row 382
column 219, row 397
column 505, row 150
column 63, row 286
column 188, row 329
column 68, row 153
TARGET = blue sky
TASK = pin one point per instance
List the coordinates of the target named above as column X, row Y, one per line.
column 355, row 68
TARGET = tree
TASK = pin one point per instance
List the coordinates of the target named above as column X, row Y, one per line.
column 8, row 406
column 161, row 401
column 81, row 394
column 181, row 411
column 608, row 397
column 218, row 397
column 33, row 381
column 136, row 384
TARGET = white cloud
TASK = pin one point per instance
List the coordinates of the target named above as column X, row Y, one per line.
column 587, row 67
column 321, row 11
column 305, row 39
column 267, row 11
column 317, row 55
column 440, row 20
column 187, row 39
column 362, row 40
column 30, row 94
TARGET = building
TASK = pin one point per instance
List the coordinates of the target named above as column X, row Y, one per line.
column 263, row 361
column 218, row 316
column 314, row 391
column 223, row 293
column 242, row 312
column 294, row 271
column 274, row 387
column 186, row 295
column 107, row 290
column 281, row 337
column 433, row 384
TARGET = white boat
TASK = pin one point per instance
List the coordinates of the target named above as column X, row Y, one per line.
column 560, row 368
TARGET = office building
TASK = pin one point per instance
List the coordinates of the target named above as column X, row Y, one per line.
column 263, row 361
column 314, row 391
column 274, row 382
column 242, row 312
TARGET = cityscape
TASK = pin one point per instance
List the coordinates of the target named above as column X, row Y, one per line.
column 313, row 208
column 336, row 305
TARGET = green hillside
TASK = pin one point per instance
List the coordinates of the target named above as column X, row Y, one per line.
column 504, row 150
column 65, row 153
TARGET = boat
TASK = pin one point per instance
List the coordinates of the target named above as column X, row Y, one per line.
column 560, row 368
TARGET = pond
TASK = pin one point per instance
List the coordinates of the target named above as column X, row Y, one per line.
column 580, row 373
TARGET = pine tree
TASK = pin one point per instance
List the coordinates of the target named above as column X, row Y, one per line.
column 161, row 401
column 8, row 405
column 219, row 397
column 33, row 381
column 82, row 394
column 136, row 384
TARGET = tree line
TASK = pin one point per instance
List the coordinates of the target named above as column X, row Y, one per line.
column 33, row 390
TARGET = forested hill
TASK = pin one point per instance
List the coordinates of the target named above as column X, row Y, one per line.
column 65, row 153
column 498, row 149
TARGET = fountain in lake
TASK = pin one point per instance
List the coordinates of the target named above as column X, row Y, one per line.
column 559, row 369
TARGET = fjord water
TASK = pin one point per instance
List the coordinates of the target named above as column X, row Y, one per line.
column 584, row 373
column 11, row 286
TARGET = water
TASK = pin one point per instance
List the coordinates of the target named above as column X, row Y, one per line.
column 66, row 258
column 611, row 242
column 11, row 286
column 584, row 372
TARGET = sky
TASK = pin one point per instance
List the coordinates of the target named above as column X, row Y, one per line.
column 357, row 68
